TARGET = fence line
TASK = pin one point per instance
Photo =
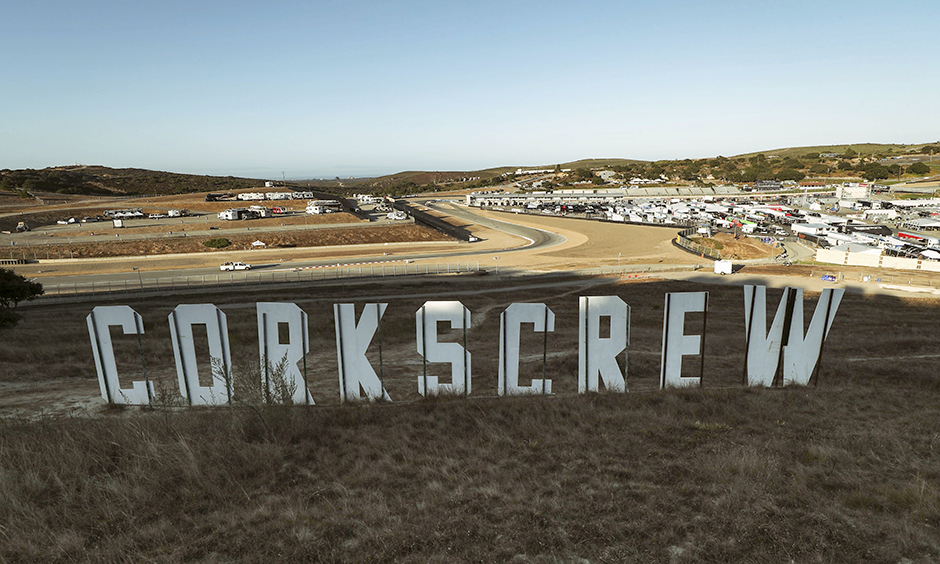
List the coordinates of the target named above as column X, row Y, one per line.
column 335, row 272
column 247, row 278
column 683, row 241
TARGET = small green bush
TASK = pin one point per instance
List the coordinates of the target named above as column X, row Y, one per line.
column 217, row 243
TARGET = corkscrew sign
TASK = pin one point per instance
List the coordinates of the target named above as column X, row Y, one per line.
column 781, row 355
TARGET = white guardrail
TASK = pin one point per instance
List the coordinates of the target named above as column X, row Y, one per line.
column 288, row 275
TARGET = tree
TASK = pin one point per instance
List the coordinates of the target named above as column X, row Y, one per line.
column 757, row 172
column 13, row 290
column 8, row 185
column 850, row 153
column 875, row 171
column 583, row 174
column 918, row 168
column 689, row 173
column 790, row 174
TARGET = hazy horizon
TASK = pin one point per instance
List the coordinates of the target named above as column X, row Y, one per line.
column 368, row 88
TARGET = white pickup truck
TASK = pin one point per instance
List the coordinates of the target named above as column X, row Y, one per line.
column 234, row 266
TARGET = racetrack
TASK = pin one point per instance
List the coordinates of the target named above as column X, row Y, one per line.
column 507, row 241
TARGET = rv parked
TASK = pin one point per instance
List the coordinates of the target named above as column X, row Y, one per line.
column 238, row 213
column 261, row 211
column 322, row 206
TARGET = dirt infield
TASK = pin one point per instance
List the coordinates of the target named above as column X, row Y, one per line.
column 738, row 248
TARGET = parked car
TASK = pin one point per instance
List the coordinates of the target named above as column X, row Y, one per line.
column 234, row 266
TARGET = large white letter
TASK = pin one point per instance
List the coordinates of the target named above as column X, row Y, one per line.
column 272, row 351
column 763, row 350
column 182, row 320
column 99, row 322
column 457, row 355
column 352, row 341
column 800, row 355
column 509, row 337
column 676, row 343
column 597, row 355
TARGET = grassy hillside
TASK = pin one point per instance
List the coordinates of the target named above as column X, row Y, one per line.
column 599, row 163
column 414, row 181
column 846, row 472
column 835, row 475
column 863, row 149
column 99, row 180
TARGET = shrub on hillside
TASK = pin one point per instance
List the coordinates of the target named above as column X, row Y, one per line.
column 217, row 243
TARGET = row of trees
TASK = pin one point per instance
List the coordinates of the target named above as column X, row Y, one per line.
column 877, row 171
column 758, row 167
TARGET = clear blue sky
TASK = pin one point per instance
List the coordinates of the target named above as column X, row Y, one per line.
column 339, row 88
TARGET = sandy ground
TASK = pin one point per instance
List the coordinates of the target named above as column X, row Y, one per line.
column 594, row 243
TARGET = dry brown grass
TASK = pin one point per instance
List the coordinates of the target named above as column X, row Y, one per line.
column 846, row 472
column 171, row 243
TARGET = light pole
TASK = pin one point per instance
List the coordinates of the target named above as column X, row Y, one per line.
column 618, row 260
column 496, row 262
column 139, row 279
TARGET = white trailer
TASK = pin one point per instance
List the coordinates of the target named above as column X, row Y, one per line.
column 723, row 267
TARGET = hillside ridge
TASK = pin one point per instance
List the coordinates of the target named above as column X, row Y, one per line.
column 99, row 180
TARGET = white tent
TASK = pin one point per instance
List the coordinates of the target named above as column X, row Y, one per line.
column 931, row 254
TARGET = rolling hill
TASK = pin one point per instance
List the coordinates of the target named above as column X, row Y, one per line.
column 101, row 180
